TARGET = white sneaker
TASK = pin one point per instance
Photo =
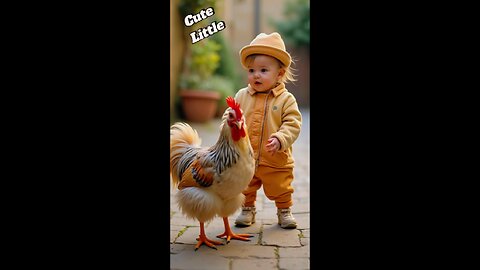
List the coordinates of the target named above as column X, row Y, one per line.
column 285, row 218
column 246, row 217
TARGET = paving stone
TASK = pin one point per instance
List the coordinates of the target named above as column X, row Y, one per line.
column 242, row 251
column 217, row 224
column 253, row 241
column 178, row 248
column 179, row 219
column 303, row 221
column 203, row 249
column 301, row 191
column 267, row 213
column 303, row 199
column 198, row 260
column 306, row 233
column 294, row 252
column 301, row 207
column 269, row 204
column 176, row 227
column 274, row 235
column 257, row 264
column 174, row 230
column 269, row 221
column 305, row 241
column 217, row 227
column 190, row 235
column 259, row 202
column 294, row 263
column 254, row 228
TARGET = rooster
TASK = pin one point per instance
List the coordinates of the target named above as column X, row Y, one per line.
column 211, row 179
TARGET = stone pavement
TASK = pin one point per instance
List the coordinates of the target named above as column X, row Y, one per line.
column 271, row 247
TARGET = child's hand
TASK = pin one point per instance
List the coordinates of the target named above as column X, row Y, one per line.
column 272, row 145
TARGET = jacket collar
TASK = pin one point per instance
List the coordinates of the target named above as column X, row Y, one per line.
column 277, row 90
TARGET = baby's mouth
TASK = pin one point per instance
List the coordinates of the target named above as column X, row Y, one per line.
column 258, row 83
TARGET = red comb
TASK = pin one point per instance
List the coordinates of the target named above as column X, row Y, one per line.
column 235, row 106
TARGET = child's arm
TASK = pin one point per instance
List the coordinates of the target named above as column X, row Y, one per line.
column 291, row 124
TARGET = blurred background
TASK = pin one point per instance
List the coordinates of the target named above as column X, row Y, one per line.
column 204, row 73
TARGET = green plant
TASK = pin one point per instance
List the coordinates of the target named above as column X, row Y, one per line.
column 201, row 65
column 220, row 84
column 227, row 65
column 186, row 7
column 226, row 87
column 295, row 28
column 205, row 58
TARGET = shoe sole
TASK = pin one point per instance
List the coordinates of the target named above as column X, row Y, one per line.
column 288, row 226
column 243, row 224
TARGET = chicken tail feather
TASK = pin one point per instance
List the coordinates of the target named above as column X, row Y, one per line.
column 183, row 139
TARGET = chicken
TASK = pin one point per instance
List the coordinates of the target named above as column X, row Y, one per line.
column 211, row 179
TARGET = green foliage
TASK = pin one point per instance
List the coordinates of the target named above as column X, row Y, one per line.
column 215, row 83
column 227, row 65
column 201, row 65
column 205, row 58
column 189, row 81
column 186, row 7
column 210, row 68
column 220, row 84
column 295, row 28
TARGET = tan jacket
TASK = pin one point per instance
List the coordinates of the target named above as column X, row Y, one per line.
column 271, row 113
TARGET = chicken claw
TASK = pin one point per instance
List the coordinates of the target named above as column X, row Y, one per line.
column 202, row 239
column 230, row 235
column 206, row 241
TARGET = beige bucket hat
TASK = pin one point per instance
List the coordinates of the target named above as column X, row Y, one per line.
column 271, row 45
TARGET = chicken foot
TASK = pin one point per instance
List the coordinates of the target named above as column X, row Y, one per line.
column 230, row 235
column 202, row 239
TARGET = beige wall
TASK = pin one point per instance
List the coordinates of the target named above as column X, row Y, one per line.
column 240, row 18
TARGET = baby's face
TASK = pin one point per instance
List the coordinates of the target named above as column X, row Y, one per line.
column 263, row 73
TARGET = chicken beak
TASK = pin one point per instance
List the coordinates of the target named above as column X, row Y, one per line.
column 239, row 124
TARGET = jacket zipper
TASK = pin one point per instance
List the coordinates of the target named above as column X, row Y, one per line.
column 261, row 134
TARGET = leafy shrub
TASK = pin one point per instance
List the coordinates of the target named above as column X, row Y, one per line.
column 295, row 28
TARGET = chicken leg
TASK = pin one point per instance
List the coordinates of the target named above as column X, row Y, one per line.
column 230, row 235
column 202, row 239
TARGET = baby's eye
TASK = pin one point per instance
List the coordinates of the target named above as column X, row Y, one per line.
column 264, row 70
column 250, row 70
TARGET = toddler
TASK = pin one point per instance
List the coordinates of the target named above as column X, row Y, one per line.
column 274, row 121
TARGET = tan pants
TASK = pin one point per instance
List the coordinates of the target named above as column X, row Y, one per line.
column 276, row 185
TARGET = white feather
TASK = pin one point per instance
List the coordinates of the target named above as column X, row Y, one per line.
column 196, row 203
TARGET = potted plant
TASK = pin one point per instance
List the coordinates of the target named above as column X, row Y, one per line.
column 207, row 77
column 199, row 95
column 224, row 87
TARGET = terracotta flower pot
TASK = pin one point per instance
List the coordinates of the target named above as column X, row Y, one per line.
column 199, row 105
